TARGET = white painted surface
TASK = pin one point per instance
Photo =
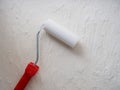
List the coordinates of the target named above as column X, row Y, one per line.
column 93, row 65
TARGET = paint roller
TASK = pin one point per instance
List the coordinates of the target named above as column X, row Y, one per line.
column 56, row 31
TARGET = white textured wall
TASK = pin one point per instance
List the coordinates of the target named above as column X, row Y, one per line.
column 93, row 65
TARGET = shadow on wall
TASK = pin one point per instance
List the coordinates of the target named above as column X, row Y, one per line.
column 78, row 50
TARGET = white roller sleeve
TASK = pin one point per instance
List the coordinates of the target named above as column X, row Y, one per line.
column 60, row 33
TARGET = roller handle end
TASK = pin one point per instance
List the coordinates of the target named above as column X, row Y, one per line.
column 30, row 71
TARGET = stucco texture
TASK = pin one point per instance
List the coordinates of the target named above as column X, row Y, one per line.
column 93, row 65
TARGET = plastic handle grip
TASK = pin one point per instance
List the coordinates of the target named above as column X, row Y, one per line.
column 30, row 71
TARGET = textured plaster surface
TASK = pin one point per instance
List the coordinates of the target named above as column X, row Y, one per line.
column 93, row 65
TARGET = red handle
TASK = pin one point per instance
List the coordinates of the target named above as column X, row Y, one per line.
column 30, row 71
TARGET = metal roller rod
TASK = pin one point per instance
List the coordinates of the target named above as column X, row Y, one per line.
column 38, row 44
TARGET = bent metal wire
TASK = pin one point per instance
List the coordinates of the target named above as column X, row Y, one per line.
column 38, row 44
